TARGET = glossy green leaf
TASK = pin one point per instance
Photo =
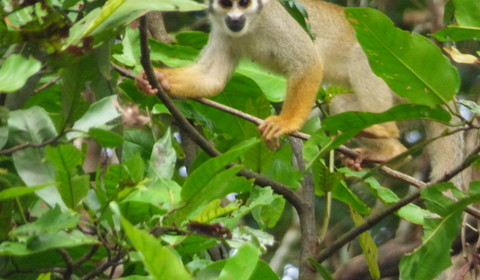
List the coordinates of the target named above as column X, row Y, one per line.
column 351, row 123
column 214, row 210
column 222, row 183
column 118, row 13
column 68, row 160
column 466, row 12
column 46, row 242
column 410, row 64
column 242, row 265
column 106, row 138
column 410, row 212
column 159, row 261
column 34, row 126
column 15, row 71
column 51, row 222
column 344, row 194
column 267, row 215
column 457, row 33
column 20, row 191
column 45, row 276
column 369, row 249
column 163, row 158
column 259, row 198
column 107, row 10
column 263, row 271
column 299, row 13
column 327, row 181
column 99, row 113
column 272, row 85
column 428, row 260
column 207, row 171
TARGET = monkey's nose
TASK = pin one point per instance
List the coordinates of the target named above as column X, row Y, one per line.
column 235, row 24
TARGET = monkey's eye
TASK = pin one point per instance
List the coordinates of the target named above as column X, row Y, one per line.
column 226, row 3
column 244, row 3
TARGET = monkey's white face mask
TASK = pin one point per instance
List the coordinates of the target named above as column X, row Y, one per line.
column 235, row 16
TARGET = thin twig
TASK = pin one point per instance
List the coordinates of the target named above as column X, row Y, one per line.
column 17, row 148
column 87, row 256
column 111, row 262
column 46, row 85
column 68, row 263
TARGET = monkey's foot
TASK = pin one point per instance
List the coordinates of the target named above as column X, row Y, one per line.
column 364, row 158
column 274, row 127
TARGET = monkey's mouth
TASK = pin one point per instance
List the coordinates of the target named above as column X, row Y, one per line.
column 235, row 24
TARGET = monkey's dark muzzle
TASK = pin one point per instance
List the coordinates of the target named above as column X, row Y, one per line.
column 235, row 24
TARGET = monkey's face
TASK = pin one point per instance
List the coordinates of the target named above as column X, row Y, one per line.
column 235, row 16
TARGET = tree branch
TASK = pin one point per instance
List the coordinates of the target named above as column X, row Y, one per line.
column 14, row 149
column 203, row 143
column 375, row 218
column 308, row 226
column 342, row 149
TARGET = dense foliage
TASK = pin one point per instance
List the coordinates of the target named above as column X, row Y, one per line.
column 99, row 181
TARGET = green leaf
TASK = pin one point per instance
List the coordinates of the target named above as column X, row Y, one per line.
column 159, row 261
column 143, row 202
column 369, row 249
column 15, row 71
column 219, row 186
column 20, row 191
column 106, row 138
column 208, row 170
column 34, row 126
column 352, row 123
column 214, row 210
column 259, row 198
column 272, row 85
column 326, row 180
column 410, row 212
column 67, row 161
column 344, row 194
column 266, row 213
column 99, row 113
column 411, row 65
column 457, row 33
column 194, row 39
column 299, row 13
column 428, row 260
column 163, row 158
column 44, row 276
column 51, row 222
column 466, row 12
column 107, row 10
column 263, row 271
column 46, row 242
column 118, row 13
column 242, row 265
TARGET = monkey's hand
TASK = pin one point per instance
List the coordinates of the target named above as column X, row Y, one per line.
column 142, row 83
column 274, row 127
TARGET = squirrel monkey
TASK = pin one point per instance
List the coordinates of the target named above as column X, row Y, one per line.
column 263, row 31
